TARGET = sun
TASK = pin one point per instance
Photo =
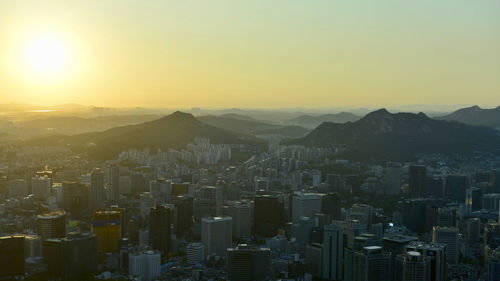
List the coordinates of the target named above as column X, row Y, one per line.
column 46, row 55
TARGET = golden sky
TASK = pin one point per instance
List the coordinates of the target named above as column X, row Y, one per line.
column 280, row 53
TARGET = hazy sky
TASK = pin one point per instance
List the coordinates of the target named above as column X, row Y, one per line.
column 250, row 53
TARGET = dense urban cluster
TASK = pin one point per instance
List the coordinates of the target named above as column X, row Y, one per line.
column 289, row 213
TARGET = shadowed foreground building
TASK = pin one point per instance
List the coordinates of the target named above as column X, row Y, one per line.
column 372, row 264
column 74, row 256
column 11, row 256
column 246, row 263
column 269, row 215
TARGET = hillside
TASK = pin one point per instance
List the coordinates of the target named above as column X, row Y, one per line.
column 310, row 121
column 475, row 115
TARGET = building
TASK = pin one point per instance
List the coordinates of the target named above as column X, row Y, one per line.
column 392, row 179
column 494, row 265
column 216, row 235
column 195, row 253
column 417, row 175
column 437, row 254
column 449, row 237
column 396, row 245
column 246, row 263
column 11, row 256
column 40, row 186
column 184, row 206
column 314, row 256
column 305, row 205
column 473, row 230
column 269, row 215
column 333, row 251
column 413, row 266
column 160, row 229
column 301, row 231
column 96, row 190
column 32, row 246
column 363, row 213
column 330, row 206
column 360, row 242
column 106, row 225
column 52, row 225
column 74, row 256
column 75, row 198
column 146, row 265
column 114, row 183
column 472, row 199
column 455, row 186
column 241, row 213
column 372, row 264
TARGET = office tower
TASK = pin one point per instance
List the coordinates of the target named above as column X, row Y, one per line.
column 32, row 246
column 73, row 256
column 18, row 188
column 372, row 264
column 314, row 256
column 455, row 186
column 472, row 199
column 40, row 186
column 75, row 198
column 494, row 265
column 216, row 235
column 333, row 248
column 364, row 240
column 208, row 202
column 11, row 256
column 161, row 188
column 449, row 237
column 301, row 231
column 392, row 179
column 492, row 235
column 96, row 190
column 333, row 181
column 268, row 215
column 114, row 183
column 184, row 206
column 246, row 263
column 491, row 201
column 145, row 203
column 413, row 266
column 395, row 244
column 473, row 230
column 305, row 205
column 417, row 174
column 106, row 225
column 138, row 182
column 241, row 213
column 437, row 254
column 351, row 229
column 434, row 186
column 195, row 253
column 419, row 215
column 447, row 217
column 330, row 206
column 160, row 229
column 52, row 225
column 363, row 213
column 146, row 265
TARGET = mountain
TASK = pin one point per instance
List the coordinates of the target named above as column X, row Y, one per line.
column 310, row 121
column 475, row 115
column 381, row 134
column 172, row 131
column 251, row 126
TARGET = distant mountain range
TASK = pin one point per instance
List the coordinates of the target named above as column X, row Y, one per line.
column 247, row 125
column 381, row 134
column 310, row 121
column 172, row 131
column 475, row 116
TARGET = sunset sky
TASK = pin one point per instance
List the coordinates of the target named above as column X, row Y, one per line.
column 278, row 53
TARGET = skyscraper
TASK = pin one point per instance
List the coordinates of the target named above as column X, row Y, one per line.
column 372, row 264
column 392, row 179
column 305, row 205
column 114, row 183
column 437, row 254
column 240, row 211
column 413, row 266
column 11, row 256
column 417, row 181
column 96, row 190
column 106, row 225
column 216, row 235
column 449, row 237
column 246, row 263
column 40, row 186
column 160, row 228
column 333, row 248
column 144, row 264
column 268, row 215
column 52, row 225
